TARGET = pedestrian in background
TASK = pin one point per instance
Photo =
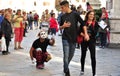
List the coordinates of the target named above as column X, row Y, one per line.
column 47, row 15
column 92, row 29
column 53, row 24
column 51, row 12
column 25, row 23
column 47, row 18
column 73, row 7
column 1, row 19
column 68, row 23
column 36, row 19
column 104, row 33
column 80, row 9
column 6, row 29
column 30, row 20
column 1, row 16
column 59, row 20
column 42, row 20
column 18, row 30
column 89, row 7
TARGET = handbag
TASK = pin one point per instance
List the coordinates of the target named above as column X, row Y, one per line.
column 79, row 39
column 3, row 44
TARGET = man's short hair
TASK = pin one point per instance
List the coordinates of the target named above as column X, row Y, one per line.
column 52, row 14
column 64, row 3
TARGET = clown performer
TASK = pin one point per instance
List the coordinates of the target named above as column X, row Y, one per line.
column 38, row 50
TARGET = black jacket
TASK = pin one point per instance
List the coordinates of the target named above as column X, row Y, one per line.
column 6, row 28
column 92, row 31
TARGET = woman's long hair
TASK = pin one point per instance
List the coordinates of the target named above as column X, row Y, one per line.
column 86, row 17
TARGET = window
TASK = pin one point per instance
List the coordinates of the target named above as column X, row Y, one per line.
column 111, row 4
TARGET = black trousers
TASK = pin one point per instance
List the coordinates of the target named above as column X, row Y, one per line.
column 103, row 38
column 91, row 46
column 7, row 43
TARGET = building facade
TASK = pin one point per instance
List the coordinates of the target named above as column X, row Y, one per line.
column 95, row 3
column 114, row 14
column 28, row 5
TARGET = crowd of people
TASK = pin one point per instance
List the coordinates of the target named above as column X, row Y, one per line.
column 71, row 22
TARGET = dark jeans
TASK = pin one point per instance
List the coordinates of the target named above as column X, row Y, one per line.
column 25, row 29
column 53, row 31
column 30, row 25
column 91, row 46
column 35, row 23
column 103, row 39
column 68, row 52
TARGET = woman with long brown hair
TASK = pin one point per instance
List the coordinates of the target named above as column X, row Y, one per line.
column 92, row 28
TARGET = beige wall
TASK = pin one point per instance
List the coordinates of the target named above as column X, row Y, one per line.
column 28, row 5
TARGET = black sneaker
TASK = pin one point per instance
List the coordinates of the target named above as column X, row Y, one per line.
column 78, row 47
column 103, row 47
column 67, row 73
column 4, row 53
column 82, row 73
column 7, row 52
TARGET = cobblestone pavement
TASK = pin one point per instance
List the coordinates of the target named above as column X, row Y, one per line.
column 18, row 63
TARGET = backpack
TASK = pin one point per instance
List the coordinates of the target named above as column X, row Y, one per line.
column 35, row 17
column 31, row 18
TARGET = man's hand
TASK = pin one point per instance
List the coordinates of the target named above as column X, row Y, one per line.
column 65, row 25
column 52, row 41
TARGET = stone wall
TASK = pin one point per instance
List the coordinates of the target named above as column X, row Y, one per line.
column 115, row 24
column 115, row 32
column 114, row 14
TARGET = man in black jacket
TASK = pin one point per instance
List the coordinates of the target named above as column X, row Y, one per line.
column 69, row 25
column 6, row 31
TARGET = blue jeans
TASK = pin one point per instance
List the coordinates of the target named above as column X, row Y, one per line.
column 30, row 25
column 35, row 23
column 68, row 52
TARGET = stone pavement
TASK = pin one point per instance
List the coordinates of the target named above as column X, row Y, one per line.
column 18, row 63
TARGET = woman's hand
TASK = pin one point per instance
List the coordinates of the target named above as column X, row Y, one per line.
column 86, row 37
column 82, row 34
